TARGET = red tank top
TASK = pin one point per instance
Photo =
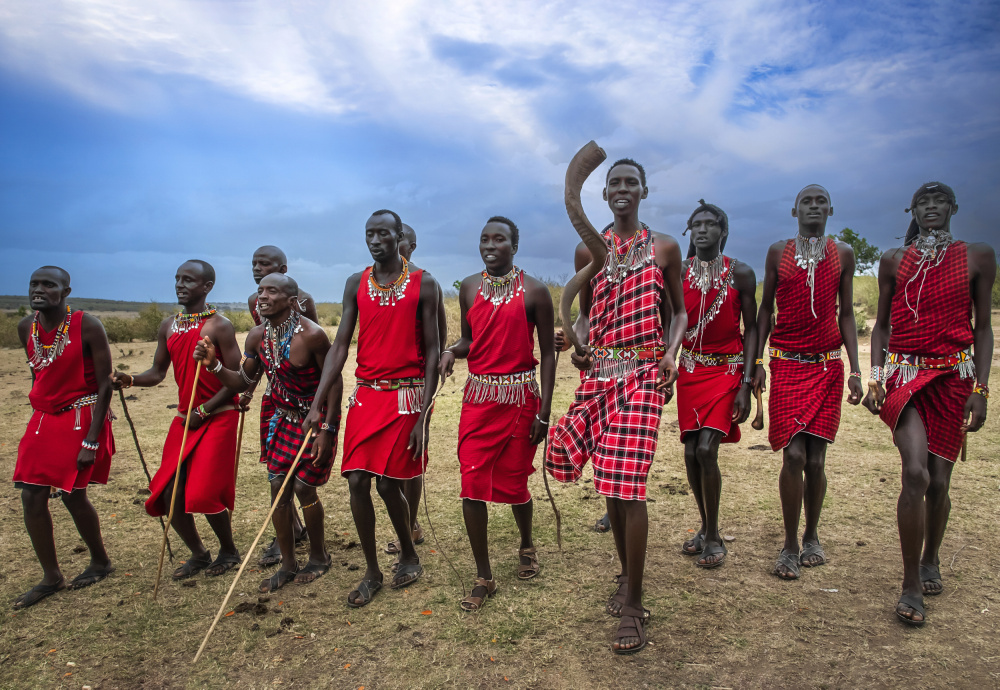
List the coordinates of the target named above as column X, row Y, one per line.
column 796, row 329
column 69, row 377
column 181, row 348
column 503, row 340
column 390, row 338
column 939, row 294
column 714, row 323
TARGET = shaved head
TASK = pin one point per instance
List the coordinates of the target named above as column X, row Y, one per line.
column 812, row 186
column 286, row 283
column 408, row 242
column 60, row 272
column 273, row 252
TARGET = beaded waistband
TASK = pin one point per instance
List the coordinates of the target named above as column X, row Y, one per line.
column 410, row 392
column 391, row 384
column 618, row 362
column 85, row 401
column 907, row 366
column 627, row 353
column 689, row 358
column 804, row 357
column 511, row 389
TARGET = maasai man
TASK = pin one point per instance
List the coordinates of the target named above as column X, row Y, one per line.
column 207, row 479
column 713, row 386
column 928, row 290
column 630, row 371
column 412, row 487
column 68, row 442
column 811, row 279
column 291, row 348
column 396, row 305
column 504, row 417
column 267, row 260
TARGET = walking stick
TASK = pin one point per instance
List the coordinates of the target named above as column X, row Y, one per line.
column 135, row 437
column 239, row 446
column 758, row 420
column 177, row 477
column 250, row 551
column 545, row 478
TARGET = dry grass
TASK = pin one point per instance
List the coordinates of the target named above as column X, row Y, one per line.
column 733, row 627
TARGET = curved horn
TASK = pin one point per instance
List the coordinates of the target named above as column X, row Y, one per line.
column 584, row 162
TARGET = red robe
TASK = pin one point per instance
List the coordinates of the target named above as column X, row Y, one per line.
column 806, row 398
column 941, row 327
column 705, row 394
column 494, row 450
column 210, row 450
column 46, row 455
column 379, row 422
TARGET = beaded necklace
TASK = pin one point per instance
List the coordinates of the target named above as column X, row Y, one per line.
column 809, row 251
column 633, row 255
column 185, row 322
column 502, row 289
column 932, row 248
column 278, row 341
column 43, row 355
column 388, row 295
column 705, row 275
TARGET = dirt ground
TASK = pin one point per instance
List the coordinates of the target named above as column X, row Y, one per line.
column 737, row 626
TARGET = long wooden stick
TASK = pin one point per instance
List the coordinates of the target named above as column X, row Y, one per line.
column 177, row 478
column 545, row 478
column 135, row 437
column 249, row 552
column 758, row 420
column 239, row 446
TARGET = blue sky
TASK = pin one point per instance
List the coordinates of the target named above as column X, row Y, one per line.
column 135, row 135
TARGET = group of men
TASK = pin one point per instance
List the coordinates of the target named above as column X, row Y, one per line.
column 649, row 320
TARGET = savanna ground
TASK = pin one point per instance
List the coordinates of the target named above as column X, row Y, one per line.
column 737, row 626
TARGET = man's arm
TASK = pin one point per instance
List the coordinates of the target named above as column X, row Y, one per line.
column 765, row 314
column 745, row 281
column 319, row 346
column 161, row 362
column 95, row 343
column 887, row 267
column 846, row 321
column 460, row 350
column 668, row 258
column 205, row 352
column 432, row 348
column 442, row 320
column 983, row 265
column 538, row 303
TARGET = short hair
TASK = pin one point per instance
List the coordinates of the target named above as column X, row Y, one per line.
column 720, row 217
column 63, row 273
column 797, row 196
column 627, row 161
column 273, row 251
column 514, row 232
column 395, row 216
column 925, row 189
column 207, row 271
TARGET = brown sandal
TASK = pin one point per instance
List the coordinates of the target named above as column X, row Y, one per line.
column 526, row 572
column 473, row 603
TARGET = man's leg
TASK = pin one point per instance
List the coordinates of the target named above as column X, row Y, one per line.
column 183, row 524
column 616, row 517
column 360, row 484
column 391, row 491
column 937, row 508
column 694, row 545
column 636, row 532
column 814, row 492
column 38, row 521
column 411, row 490
column 312, row 510
column 222, row 525
column 911, row 440
column 281, row 519
column 523, row 515
column 710, row 481
column 793, row 463
column 89, row 526
column 476, row 520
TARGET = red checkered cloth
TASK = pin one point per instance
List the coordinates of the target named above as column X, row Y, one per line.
column 796, row 329
column 615, row 421
column 940, row 295
column 805, row 398
column 939, row 396
column 266, row 412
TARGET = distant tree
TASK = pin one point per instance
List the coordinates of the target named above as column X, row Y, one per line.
column 457, row 284
column 866, row 254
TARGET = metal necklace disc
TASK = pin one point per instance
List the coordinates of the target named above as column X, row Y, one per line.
column 706, row 275
column 502, row 289
column 809, row 251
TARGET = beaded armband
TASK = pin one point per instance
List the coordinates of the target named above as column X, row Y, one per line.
column 877, row 374
column 982, row 389
column 759, row 360
column 332, row 428
column 90, row 445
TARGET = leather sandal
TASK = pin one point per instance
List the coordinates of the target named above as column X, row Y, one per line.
column 527, row 571
column 474, row 603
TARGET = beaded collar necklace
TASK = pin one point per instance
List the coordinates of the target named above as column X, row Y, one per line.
column 502, row 289
column 932, row 248
column 809, row 251
column 705, row 275
column 388, row 295
column 185, row 322
column 634, row 254
column 43, row 355
column 278, row 341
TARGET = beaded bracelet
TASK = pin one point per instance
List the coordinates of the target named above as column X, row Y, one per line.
column 217, row 368
column 982, row 389
column 90, row 445
column 332, row 428
column 856, row 374
column 876, row 374
column 131, row 380
column 760, row 360
column 543, row 421
column 201, row 411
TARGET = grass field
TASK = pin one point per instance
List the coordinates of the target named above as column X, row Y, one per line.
column 737, row 626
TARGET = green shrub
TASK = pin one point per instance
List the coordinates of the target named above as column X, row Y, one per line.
column 866, row 296
column 861, row 321
column 241, row 320
column 119, row 330
column 8, row 330
column 146, row 326
column 996, row 294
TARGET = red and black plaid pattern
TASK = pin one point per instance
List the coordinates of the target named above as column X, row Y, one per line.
column 285, row 443
column 939, row 396
column 627, row 313
column 796, row 329
column 266, row 412
column 941, row 297
column 805, row 398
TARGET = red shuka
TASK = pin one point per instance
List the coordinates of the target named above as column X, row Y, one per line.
column 210, row 450
column 494, row 452
column 705, row 394
column 806, row 398
column 390, row 346
column 942, row 326
column 47, row 453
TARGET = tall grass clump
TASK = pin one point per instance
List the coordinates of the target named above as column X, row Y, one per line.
column 329, row 313
column 8, row 329
column 241, row 320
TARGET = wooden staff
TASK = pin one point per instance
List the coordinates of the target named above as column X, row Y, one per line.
column 758, row 420
column 249, row 552
column 239, row 446
column 177, row 477
column 135, row 437
column 545, row 479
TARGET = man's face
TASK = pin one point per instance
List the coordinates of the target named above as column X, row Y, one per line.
column 495, row 247
column 813, row 207
column 271, row 297
column 705, row 230
column 624, row 189
column 380, row 236
column 933, row 211
column 46, row 289
column 190, row 285
column 265, row 263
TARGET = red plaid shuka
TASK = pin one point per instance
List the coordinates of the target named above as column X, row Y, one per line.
column 614, row 420
column 941, row 326
column 806, row 398
column 292, row 392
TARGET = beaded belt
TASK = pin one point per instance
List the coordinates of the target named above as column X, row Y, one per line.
column 804, row 357
column 689, row 358
column 509, row 389
column 391, row 384
column 410, row 392
column 85, row 401
column 617, row 362
column 909, row 365
column 626, row 353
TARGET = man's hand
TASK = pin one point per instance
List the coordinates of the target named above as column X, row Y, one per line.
column 538, row 430
column 244, row 403
column 85, row 458
column 854, row 390
column 666, row 374
column 417, row 439
column 582, row 363
column 323, row 448
column 196, row 420
column 204, row 352
column 741, row 406
column 759, row 382
column 560, row 340
column 974, row 413
column 875, row 397
column 446, row 364
column 120, row 379
column 312, row 420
